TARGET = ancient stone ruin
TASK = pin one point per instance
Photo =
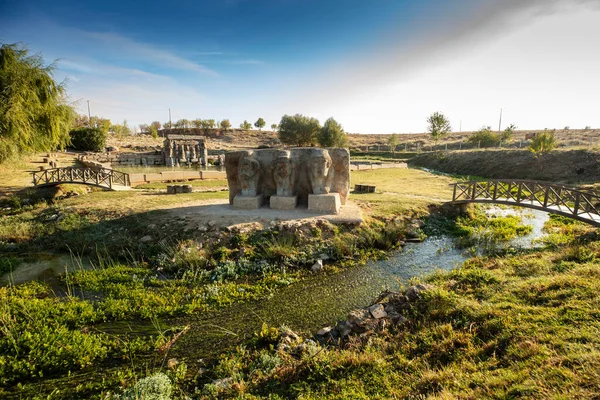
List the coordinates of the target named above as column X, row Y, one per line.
column 185, row 150
column 315, row 177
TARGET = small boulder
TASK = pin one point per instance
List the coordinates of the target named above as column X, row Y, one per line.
column 325, row 331
column 377, row 311
column 317, row 267
column 414, row 292
column 145, row 239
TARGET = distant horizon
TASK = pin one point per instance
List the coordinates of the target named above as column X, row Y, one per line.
column 377, row 68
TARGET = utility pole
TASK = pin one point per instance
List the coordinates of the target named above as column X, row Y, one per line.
column 89, row 114
column 500, row 123
column 170, row 123
column 460, row 129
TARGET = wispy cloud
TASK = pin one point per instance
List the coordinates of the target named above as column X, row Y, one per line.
column 150, row 54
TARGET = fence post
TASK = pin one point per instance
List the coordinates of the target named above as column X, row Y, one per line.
column 479, row 144
column 546, row 193
column 474, row 190
column 576, row 207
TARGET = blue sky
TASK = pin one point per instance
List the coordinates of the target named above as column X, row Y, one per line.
column 377, row 66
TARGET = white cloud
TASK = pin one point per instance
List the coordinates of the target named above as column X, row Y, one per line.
column 149, row 53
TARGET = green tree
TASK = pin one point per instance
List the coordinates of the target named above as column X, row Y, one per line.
column 211, row 123
column 298, row 130
column 438, row 126
column 121, row 129
column 393, row 142
column 542, row 144
column 274, row 127
column 246, row 125
column 156, row 125
column 225, row 124
column 154, row 131
column 34, row 114
column 197, row 123
column 508, row 133
column 332, row 134
column 260, row 123
column 88, row 139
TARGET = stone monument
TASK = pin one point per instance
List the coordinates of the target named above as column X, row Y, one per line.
column 315, row 177
column 185, row 149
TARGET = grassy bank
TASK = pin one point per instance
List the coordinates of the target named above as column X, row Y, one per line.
column 514, row 326
column 569, row 166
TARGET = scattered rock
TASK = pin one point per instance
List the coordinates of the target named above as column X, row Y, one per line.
column 324, row 256
column 414, row 292
column 212, row 223
column 145, row 239
column 344, row 328
column 317, row 267
column 377, row 311
column 324, row 331
column 223, row 383
column 202, row 228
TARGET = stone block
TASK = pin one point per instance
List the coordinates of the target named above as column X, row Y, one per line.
column 248, row 202
column 329, row 203
column 170, row 189
column 284, row 202
column 187, row 188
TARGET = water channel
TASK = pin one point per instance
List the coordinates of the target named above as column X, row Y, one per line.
column 306, row 305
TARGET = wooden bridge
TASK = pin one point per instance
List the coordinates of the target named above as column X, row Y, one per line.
column 101, row 177
column 550, row 197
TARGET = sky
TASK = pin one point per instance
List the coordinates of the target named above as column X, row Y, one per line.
column 376, row 66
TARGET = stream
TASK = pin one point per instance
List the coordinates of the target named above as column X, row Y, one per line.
column 307, row 305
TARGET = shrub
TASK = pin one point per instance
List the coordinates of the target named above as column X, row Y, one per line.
column 153, row 387
column 543, row 143
column 298, row 130
column 485, row 138
column 88, row 139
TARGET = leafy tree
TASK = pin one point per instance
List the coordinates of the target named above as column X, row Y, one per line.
column 34, row 114
column 543, row 143
column 88, row 139
column 567, row 128
column 156, row 125
column 332, row 134
column 225, row 124
column 121, row 130
column 393, row 142
column 167, row 125
column 298, row 130
column 439, row 126
column 274, row 127
column 154, row 131
column 260, row 123
column 144, row 128
column 508, row 133
column 587, row 128
column 197, row 123
column 246, row 125
column 211, row 123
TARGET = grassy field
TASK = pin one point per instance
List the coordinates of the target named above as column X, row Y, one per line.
column 513, row 324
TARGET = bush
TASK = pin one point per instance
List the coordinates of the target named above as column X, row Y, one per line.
column 485, row 138
column 542, row 144
column 88, row 139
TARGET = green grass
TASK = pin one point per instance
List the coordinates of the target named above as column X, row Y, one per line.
column 517, row 326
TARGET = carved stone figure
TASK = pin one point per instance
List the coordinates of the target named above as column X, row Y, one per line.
column 250, row 174
column 283, row 173
column 292, row 172
column 318, row 168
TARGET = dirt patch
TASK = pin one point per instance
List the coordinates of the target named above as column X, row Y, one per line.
column 210, row 213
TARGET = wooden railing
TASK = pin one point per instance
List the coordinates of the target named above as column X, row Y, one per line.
column 551, row 197
column 102, row 177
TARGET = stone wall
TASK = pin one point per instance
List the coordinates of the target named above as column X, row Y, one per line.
column 127, row 159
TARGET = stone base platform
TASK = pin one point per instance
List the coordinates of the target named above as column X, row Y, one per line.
column 284, row 202
column 248, row 202
column 329, row 203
